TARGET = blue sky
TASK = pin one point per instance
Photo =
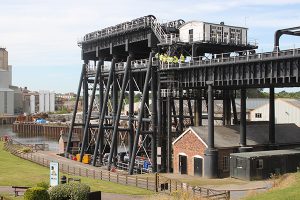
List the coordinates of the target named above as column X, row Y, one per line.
column 41, row 36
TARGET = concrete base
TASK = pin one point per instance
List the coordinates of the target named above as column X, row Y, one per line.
column 211, row 163
column 245, row 149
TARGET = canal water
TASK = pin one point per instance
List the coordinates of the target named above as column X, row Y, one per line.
column 29, row 138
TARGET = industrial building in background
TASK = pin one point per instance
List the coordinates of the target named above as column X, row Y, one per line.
column 46, row 101
column 174, row 64
column 6, row 94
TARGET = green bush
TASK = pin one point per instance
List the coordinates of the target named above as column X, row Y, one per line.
column 26, row 150
column 43, row 185
column 72, row 191
column 36, row 193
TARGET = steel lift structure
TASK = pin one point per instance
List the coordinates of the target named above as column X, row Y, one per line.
column 165, row 90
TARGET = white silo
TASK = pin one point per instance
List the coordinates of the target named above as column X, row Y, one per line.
column 32, row 104
column 47, row 101
column 41, row 101
column 52, row 101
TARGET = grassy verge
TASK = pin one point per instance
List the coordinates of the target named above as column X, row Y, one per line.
column 196, row 181
column 287, row 189
column 19, row 172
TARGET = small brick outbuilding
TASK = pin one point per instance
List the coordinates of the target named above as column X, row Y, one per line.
column 189, row 147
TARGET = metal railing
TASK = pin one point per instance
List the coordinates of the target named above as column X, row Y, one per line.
column 156, row 183
column 126, row 26
column 233, row 57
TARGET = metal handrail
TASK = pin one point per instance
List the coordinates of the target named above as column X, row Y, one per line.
column 234, row 57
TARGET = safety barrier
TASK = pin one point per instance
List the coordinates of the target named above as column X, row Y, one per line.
column 156, row 183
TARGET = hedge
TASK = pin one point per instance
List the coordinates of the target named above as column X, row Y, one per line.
column 36, row 193
column 72, row 191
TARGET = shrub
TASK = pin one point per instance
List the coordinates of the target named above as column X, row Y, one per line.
column 43, row 185
column 36, row 193
column 26, row 150
column 72, row 191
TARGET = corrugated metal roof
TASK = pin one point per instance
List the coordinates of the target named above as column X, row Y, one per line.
column 229, row 136
column 266, row 153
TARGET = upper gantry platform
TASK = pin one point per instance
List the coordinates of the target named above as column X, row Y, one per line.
column 141, row 35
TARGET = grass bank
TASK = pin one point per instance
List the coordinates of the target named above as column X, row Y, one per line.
column 20, row 172
column 288, row 188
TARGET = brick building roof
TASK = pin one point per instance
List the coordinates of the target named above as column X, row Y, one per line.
column 257, row 134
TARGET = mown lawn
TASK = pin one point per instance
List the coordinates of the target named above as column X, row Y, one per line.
column 289, row 191
column 19, row 172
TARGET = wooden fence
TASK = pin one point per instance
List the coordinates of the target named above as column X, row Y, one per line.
column 156, row 183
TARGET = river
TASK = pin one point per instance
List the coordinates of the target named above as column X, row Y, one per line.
column 29, row 138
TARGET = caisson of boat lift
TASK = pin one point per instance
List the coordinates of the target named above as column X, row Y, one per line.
column 144, row 84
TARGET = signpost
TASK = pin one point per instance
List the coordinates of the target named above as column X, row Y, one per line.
column 54, row 173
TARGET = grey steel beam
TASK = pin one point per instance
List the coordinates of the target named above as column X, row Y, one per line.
column 87, row 119
column 210, row 154
column 154, row 92
column 130, row 113
column 243, row 118
column 103, row 112
column 272, row 116
column 118, row 112
column 159, row 118
column 169, row 134
column 75, row 111
column 191, row 111
column 233, row 104
column 85, row 91
column 138, row 129
column 180, row 110
column 115, row 90
column 101, row 100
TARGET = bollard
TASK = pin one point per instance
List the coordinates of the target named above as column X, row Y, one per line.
column 63, row 180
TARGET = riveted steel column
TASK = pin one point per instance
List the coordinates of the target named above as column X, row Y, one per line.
column 101, row 100
column 210, row 117
column 226, row 108
column 75, row 111
column 169, row 134
column 138, row 129
column 211, row 154
column 159, row 118
column 103, row 112
column 88, row 117
column 190, row 112
column 198, row 109
column 118, row 112
column 180, row 111
column 85, row 104
column 243, row 118
column 154, row 91
column 130, row 113
column 272, row 117
column 115, row 90
column 235, row 119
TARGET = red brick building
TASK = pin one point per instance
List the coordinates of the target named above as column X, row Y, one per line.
column 189, row 147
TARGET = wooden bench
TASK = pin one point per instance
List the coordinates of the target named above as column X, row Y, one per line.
column 18, row 189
